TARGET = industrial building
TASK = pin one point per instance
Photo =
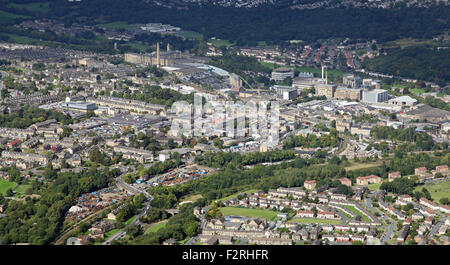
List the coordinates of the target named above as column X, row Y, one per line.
column 348, row 93
column 80, row 106
column 326, row 90
column 282, row 73
column 403, row 101
column 351, row 80
column 374, row 96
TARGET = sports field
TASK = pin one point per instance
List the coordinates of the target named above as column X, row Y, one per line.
column 262, row 213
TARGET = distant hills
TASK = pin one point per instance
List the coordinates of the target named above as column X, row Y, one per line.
column 299, row 4
column 248, row 21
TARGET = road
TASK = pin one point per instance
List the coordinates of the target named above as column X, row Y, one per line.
column 143, row 211
column 201, row 226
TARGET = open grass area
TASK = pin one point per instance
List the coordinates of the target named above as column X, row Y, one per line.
column 407, row 42
column 192, row 198
column 117, row 25
column 374, row 186
column 236, row 194
column 21, row 188
column 43, row 7
column 262, row 213
column 355, row 211
column 361, row 165
column 417, row 91
column 6, row 17
column 192, row 35
column 5, row 185
column 130, row 220
column 218, row 43
column 437, row 191
column 155, row 227
column 112, row 232
column 314, row 221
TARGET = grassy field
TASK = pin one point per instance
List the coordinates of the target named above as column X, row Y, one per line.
column 5, row 185
column 373, row 186
column 157, row 226
column 117, row 25
column 192, row 198
column 189, row 35
column 218, row 43
column 417, row 91
column 22, row 188
column 6, row 17
column 43, row 7
column 437, row 191
column 236, row 194
column 314, row 221
column 355, row 211
column 112, row 232
column 267, row 214
column 407, row 42
column 357, row 166
column 130, row 220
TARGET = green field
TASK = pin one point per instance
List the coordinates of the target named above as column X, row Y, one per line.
column 22, row 188
column 218, row 43
column 236, row 194
column 6, row 17
column 157, row 226
column 417, row 91
column 358, row 166
column 5, row 185
column 192, row 198
column 267, row 214
column 374, row 186
column 117, row 25
column 407, row 42
column 437, row 191
column 112, row 232
column 43, row 7
column 314, row 221
column 355, row 211
column 189, row 35
column 130, row 220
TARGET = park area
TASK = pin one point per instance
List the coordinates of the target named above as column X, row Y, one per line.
column 6, row 185
column 357, row 212
column 437, row 191
column 261, row 213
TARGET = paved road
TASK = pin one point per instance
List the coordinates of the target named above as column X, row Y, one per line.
column 388, row 234
column 201, row 226
column 143, row 211
column 435, row 227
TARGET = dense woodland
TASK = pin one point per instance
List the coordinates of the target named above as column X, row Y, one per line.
column 419, row 62
column 256, row 24
column 39, row 220
column 28, row 115
column 325, row 140
column 156, row 95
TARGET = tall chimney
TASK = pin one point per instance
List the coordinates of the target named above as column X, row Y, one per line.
column 326, row 76
column 322, row 71
column 158, row 59
column 168, row 47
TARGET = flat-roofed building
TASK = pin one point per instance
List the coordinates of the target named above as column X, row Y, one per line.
column 374, row 96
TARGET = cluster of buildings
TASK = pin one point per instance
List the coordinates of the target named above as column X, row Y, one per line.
column 89, row 203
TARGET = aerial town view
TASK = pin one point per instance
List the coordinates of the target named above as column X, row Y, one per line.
column 247, row 122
